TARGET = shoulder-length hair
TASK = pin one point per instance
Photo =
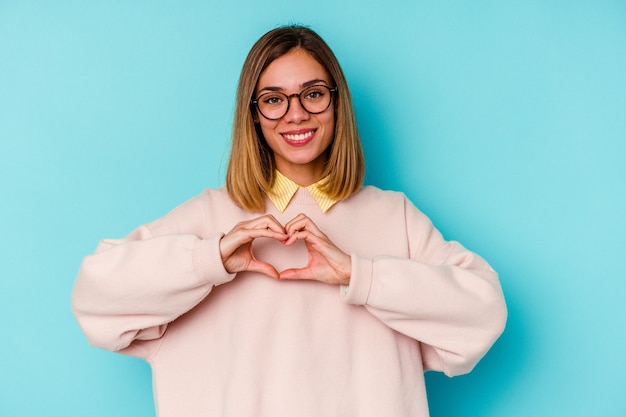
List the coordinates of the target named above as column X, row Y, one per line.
column 251, row 166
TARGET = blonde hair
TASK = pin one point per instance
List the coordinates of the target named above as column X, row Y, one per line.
column 251, row 166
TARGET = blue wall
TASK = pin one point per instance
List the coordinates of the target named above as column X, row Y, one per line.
column 504, row 121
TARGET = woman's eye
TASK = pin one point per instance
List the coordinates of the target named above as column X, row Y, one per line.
column 273, row 100
column 314, row 95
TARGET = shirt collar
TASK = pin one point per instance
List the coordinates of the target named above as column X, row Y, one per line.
column 284, row 189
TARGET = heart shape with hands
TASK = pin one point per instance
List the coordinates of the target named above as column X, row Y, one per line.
column 326, row 262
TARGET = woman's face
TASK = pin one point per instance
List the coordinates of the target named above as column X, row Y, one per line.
column 299, row 139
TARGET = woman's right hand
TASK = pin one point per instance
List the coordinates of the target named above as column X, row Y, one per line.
column 236, row 245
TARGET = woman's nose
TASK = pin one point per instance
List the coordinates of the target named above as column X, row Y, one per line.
column 295, row 113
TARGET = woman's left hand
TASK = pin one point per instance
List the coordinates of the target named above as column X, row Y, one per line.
column 327, row 263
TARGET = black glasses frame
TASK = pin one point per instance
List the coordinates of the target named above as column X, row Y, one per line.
column 331, row 90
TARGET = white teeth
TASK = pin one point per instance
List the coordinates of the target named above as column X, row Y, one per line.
column 300, row 137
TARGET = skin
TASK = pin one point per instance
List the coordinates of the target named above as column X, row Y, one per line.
column 301, row 159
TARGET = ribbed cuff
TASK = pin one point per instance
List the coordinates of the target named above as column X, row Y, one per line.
column 360, row 281
column 207, row 261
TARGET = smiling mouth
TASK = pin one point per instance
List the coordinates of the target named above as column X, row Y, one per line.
column 299, row 139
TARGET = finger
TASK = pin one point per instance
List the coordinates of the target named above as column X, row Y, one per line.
column 298, row 218
column 302, row 234
column 266, row 222
column 302, row 222
column 319, row 242
column 252, row 234
column 263, row 222
column 296, row 273
column 263, row 268
column 235, row 239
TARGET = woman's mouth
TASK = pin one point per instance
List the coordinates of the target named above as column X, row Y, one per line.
column 299, row 138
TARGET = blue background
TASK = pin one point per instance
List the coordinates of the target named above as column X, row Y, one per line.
column 505, row 122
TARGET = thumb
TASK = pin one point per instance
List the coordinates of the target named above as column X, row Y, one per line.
column 263, row 268
column 296, row 273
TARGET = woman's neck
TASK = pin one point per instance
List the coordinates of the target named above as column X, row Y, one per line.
column 302, row 175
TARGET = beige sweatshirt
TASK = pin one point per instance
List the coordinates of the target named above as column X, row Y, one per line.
column 247, row 345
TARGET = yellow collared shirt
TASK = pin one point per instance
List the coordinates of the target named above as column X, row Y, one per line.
column 284, row 189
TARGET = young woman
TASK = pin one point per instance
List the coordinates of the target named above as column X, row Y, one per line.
column 293, row 290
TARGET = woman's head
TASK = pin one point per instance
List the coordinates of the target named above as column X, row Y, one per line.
column 252, row 161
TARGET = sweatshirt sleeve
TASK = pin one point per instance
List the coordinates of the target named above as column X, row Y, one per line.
column 131, row 288
column 444, row 296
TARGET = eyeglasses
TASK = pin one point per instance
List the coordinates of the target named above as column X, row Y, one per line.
column 314, row 99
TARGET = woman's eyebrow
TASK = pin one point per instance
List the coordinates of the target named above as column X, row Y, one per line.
column 313, row 82
column 304, row 85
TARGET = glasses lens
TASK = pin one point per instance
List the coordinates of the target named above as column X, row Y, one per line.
column 273, row 105
column 315, row 99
